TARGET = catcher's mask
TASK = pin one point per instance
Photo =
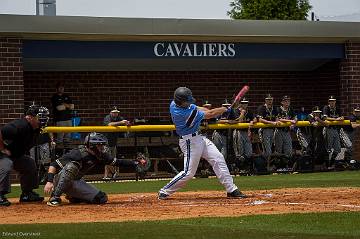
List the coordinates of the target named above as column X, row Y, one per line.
column 41, row 113
column 96, row 142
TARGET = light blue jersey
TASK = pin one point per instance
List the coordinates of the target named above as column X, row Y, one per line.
column 186, row 120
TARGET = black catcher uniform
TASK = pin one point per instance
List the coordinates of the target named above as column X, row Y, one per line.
column 65, row 174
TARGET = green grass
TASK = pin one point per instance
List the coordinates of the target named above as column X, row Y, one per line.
column 308, row 180
column 311, row 226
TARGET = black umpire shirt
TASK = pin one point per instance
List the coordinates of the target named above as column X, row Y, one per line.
column 61, row 115
column 19, row 137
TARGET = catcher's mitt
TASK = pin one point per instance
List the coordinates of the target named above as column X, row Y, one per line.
column 143, row 164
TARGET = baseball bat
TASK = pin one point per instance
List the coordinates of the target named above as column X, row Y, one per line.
column 241, row 94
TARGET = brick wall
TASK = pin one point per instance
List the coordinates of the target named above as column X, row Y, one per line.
column 147, row 94
column 11, row 83
column 350, row 84
column 11, row 79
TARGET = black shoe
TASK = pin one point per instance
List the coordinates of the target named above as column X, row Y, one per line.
column 31, row 197
column 74, row 200
column 54, row 201
column 3, row 201
column 236, row 194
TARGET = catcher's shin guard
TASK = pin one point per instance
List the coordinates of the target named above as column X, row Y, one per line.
column 66, row 175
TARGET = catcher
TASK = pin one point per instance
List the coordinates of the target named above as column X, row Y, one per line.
column 71, row 167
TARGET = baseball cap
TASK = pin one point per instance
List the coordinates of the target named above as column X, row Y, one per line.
column 206, row 104
column 115, row 110
column 332, row 98
column 268, row 97
column 226, row 103
column 357, row 109
column 316, row 109
column 286, row 97
column 244, row 101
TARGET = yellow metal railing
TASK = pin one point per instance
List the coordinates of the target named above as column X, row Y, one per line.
column 138, row 128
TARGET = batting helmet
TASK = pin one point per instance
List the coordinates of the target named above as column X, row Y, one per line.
column 39, row 112
column 183, row 94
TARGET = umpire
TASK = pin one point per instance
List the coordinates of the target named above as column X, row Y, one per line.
column 16, row 139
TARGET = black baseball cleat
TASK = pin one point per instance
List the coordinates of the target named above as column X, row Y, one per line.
column 31, row 197
column 54, row 201
column 4, row 201
column 236, row 194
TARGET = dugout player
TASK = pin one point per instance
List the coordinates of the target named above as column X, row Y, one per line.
column 16, row 139
column 62, row 109
column 187, row 118
column 283, row 140
column 267, row 114
column 113, row 119
column 317, row 141
column 220, row 136
column 241, row 137
column 332, row 132
column 354, row 117
column 65, row 174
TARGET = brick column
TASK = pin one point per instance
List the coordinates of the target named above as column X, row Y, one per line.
column 11, row 83
column 11, row 79
column 350, row 86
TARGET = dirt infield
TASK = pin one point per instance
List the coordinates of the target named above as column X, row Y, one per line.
column 146, row 206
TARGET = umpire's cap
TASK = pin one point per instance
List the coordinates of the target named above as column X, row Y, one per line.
column 183, row 94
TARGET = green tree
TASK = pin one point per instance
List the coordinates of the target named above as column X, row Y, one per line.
column 269, row 9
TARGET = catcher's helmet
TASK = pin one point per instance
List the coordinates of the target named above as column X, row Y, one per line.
column 183, row 94
column 95, row 139
column 40, row 112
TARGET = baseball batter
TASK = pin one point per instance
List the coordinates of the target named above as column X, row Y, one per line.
column 187, row 118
